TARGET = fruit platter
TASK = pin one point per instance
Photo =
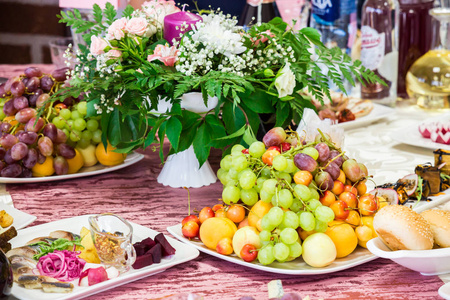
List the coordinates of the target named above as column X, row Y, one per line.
column 42, row 137
column 27, row 288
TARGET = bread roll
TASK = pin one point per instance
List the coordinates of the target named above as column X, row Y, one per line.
column 401, row 228
column 439, row 221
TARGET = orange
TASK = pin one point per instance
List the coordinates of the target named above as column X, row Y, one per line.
column 44, row 169
column 75, row 163
column 303, row 177
column 108, row 157
column 11, row 120
column 344, row 238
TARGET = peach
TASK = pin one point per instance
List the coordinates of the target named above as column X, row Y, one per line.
column 214, row 229
column 243, row 236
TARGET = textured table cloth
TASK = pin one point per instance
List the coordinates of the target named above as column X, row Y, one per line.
column 134, row 193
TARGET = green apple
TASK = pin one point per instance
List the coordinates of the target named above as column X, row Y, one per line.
column 319, row 250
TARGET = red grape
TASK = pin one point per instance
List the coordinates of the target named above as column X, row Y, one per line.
column 45, row 146
column 66, row 151
column 17, row 88
column 46, row 83
column 28, row 137
column 12, row 170
column 324, row 181
column 26, row 173
column 61, row 137
column 339, row 160
column 34, row 97
column 2, row 90
column 33, row 72
column 9, row 108
column 41, row 158
column 19, row 151
column 332, row 169
column 8, row 158
column 305, row 162
column 9, row 82
column 60, row 74
column 50, row 131
column 31, row 126
column 41, row 100
column 20, row 102
column 61, row 166
column 33, row 84
column 8, row 140
column 324, row 151
column 5, row 127
column 2, row 152
column 31, row 159
column 25, row 115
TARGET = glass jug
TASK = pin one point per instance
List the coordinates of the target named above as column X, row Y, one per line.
column 428, row 79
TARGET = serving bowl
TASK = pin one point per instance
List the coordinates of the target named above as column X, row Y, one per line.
column 427, row 262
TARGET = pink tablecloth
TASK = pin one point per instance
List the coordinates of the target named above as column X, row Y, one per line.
column 134, row 193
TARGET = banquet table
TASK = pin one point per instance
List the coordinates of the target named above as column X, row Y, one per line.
column 135, row 194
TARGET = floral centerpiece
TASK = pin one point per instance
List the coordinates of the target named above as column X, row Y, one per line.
column 128, row 68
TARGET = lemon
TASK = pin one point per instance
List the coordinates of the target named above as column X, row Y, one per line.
column 75, row 163
column 108, row 157
column 44, row 169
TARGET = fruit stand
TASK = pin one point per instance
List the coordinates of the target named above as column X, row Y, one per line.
column 135, row 194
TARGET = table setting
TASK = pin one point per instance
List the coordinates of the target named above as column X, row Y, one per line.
column 174, row 153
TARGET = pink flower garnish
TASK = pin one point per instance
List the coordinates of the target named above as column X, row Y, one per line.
column 116, row 30
column 263, row 37
column 98, row 45
column 165, row 54
column 137, row 26
column 114, row 53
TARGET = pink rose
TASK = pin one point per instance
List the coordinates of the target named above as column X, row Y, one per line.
column 114, row 53
column 137, row 26
column 98, row 45
column 116, row 30
column 167, row 55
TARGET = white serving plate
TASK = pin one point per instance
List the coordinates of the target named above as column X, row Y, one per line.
column 378, row 112
column 132, row 158
column 411, row 136
column 295, row 267
column 183, row 253
column 427, row 262
column 21, row 219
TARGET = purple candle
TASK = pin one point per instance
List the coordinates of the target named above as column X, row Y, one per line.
column 179, row 23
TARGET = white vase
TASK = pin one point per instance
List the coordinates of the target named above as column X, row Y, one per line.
column 182, row 169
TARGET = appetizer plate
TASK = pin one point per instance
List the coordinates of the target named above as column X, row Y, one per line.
column 378, row 112
column 427, row 262
column 444, row 291
column 132, row 158
column 411, row 136
column 295, row 267
column 21, row 219
column 183, row 254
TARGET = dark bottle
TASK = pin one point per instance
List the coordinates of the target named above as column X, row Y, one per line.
column 379, row 49
column 258, row 11
column 415, row 28
column 6, row 276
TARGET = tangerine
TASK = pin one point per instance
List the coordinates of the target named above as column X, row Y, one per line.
column 344, row 238
column 75, row 163
column 44, row 169
column 108, row 157
column 303, row 177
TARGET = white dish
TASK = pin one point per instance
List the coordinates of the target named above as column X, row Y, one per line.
column 378, row 112
column 295, row 267
column 411, row 136
column 183, row 253
column 444, row 291
column 21, row 219
column 132, row 158
column 427, row 262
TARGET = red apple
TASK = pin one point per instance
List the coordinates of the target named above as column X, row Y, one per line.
column 205, row 213
column 191, row 218
column 190, row 229
column 249, row 253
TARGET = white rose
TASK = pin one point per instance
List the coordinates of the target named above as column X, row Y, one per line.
column 137, row 26
column 285, row 82
column 98, row 45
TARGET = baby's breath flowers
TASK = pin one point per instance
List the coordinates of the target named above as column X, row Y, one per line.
column 127, row 69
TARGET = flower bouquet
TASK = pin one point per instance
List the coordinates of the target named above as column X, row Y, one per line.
column 130, row 68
